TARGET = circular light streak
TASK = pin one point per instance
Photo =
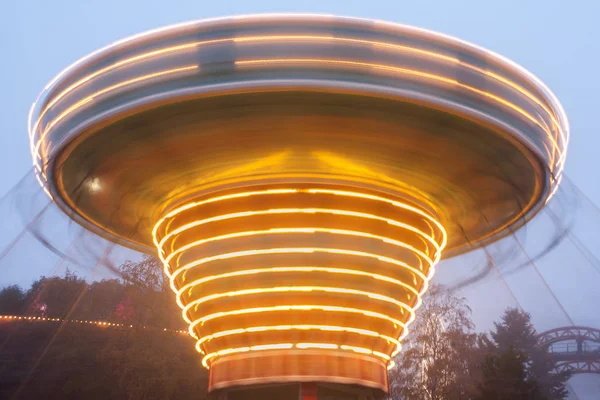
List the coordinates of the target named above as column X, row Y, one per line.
column 184, row 248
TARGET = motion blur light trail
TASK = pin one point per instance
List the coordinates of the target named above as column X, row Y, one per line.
column 204, row 283
column 299, row 176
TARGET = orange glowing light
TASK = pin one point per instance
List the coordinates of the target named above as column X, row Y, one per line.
column 191, row 294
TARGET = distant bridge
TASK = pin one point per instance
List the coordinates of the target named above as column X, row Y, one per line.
column 574, row 348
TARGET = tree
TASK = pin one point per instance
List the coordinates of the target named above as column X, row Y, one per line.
column 67, row 360
column 100, row 301
column 514, row 366
column 436, row 359
column 12, row 300
column 55, row 296
column 503, row 377
column 147, row 290
column 147, row 274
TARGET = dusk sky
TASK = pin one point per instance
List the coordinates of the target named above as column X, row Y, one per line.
column 556, row 40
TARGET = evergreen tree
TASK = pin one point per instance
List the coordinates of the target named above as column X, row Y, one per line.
column 514, row 366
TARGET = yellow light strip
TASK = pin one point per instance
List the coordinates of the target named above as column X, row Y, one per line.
column 304, row 346
column 437, row 232
column 90, row 98
column 275, row 231
column 197, row 282
column 35, row 149
column 326, row 328
column 344, row 193
column 272, row 346
column 382, row 355
column 193, row 204
column 283, row 289
column 193, row 264
column 394, row 203
column 293, row 250
column 356, row 349
column 311, row 307
column 317, row 346
column 276, row 211
column 399, row 48
column 405, row 71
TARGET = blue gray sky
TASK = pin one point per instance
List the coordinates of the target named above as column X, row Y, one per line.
column 557, row 40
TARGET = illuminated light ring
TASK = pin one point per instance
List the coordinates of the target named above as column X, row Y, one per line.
column 35, row 150
column 433, row 238
column 280, row 289
column 377, row 66
column 173, row 275
column 306, row 308
column 344, row 193
column 277, row 346
column 394, row 203
column 192, row 284
column 193, row 204
column 315, row 191
column 273, row 211
column 310, row 307
column 192, row 45
column 405, row 71
column 242, row 39
column 292, row 250
column 336, row 192
column 317, row 346
column 186, row 308
column 325, row 328
column 275, row 231
column 104, row 91
column 111, row 67
column 334, row 270
column 444, row 57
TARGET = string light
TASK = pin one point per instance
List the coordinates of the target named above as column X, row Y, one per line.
column 87, row 322
column 415, row 73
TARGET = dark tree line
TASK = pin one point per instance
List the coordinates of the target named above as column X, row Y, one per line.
column 47, row 360
column 442, row 358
